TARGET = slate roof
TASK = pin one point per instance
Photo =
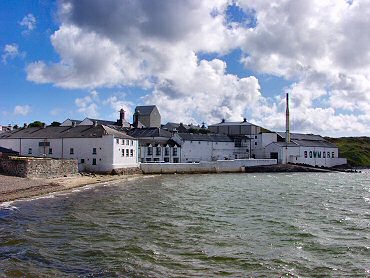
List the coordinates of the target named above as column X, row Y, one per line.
column 232, row 123
column 149, row 132
column 145, row 110
column 5, row 150
column 212, row 137
column 301, row 136
column 55, row 132
column 103, row 122
column 172, row 126
column 307, row 140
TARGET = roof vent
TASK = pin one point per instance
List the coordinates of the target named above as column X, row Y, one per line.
column 73, row 124
column 223, row 120
column 244, row 120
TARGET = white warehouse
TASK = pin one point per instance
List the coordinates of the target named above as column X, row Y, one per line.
column 98, row 148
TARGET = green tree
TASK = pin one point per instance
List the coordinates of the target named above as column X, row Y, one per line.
column 55, row 123
column 36, row 124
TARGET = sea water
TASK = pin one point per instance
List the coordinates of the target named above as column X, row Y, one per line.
column 237, row 225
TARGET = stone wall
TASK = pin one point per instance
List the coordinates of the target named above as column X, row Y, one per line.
column 27, row 167
column 220, row 166
column 126, row 171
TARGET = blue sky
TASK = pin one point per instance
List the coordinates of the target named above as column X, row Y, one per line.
column 196, row 60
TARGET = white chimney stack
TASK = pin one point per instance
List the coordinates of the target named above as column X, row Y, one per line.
column 287, row 123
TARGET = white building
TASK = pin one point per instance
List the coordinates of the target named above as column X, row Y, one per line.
column 210, row 147
column 156, row 145
column 97, row 148
column 305, row 149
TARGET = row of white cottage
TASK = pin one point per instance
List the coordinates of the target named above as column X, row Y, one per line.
column 102, row 148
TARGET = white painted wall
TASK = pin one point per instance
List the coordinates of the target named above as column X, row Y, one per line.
column 315, row 155
column 108, row 153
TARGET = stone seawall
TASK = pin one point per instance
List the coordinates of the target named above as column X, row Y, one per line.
column 27, row 167
column 219, row 166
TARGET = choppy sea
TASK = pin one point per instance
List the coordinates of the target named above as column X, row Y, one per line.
column 236, row 225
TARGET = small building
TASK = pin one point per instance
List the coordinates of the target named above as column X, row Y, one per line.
column 308, row 149
column 98, row 148
column 235, row 128
column 210, row 147
column 156, row 145
column 147, row 116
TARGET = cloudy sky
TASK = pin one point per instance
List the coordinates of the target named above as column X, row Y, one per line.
column 198, row 61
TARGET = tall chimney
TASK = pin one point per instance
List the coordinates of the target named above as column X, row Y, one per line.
column 121, row 114
column 287, row 123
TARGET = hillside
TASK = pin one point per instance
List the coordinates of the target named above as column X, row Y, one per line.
column 355, row 149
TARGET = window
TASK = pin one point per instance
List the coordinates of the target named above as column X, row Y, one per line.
column 123, row 141
column 127, row 152
column 29, row 150
column 176, row 160
column 166, row 159
column 150, row 150
column 127, row 142
column 117, row 141
column 123, row 152
column 158, row 150
column 71, row 151
column 167, row 151
column 255, row 137
column 82, row 160
column 305, row 154
column 50, row 151
column 148, row 159
column 131, row 152
column 238, row 143
column 132, row 142
column 255, row 143
column 174, row 151
column 94, row 151
column 94, row 161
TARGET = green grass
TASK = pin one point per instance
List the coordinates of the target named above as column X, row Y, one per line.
column 355, row 149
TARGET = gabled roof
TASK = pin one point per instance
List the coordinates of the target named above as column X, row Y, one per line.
column 307, row 140
column 5, row 150
column 55, row 132
column 231, row 123
column 301, row 136
column 145, row 110
column 100, row 122
column 149, row 132
column 211, row 137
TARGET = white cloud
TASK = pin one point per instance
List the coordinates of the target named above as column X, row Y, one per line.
column 321, row 46
column 11, row 51
column 88, row 105
column 22, row 110
column 28, row 22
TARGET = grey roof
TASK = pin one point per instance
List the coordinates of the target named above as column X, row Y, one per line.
column 103, row 122
column 149, row 132
column 212, row 137
column 283, row 144
column 231, row 123
column 314, row 143
column 171, row 126
column 145, row 110
column 55, row 132
column 301, row 136
column 5, row 150
column 307, row 140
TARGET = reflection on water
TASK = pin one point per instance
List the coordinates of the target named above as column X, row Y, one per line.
column 302, row 224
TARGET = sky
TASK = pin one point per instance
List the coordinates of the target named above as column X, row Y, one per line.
column 198, row 61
